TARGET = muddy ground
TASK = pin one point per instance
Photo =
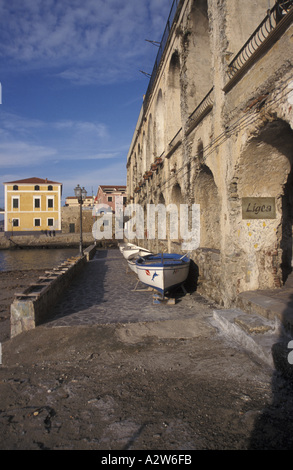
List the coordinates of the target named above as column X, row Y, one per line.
column 168, row 386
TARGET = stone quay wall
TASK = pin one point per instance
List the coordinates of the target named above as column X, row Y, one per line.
column 32, row 307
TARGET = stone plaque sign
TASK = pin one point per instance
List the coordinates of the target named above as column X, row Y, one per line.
column 258, row 208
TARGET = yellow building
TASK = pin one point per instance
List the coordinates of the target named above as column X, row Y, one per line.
column 32, row 205
column 72, row 201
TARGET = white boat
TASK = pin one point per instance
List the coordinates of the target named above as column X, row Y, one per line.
column 131, row 260
column 163, row 271
column 132, row 263
column 124, row 245
column 131, row 250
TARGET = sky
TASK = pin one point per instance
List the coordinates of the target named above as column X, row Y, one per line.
column 72, row 87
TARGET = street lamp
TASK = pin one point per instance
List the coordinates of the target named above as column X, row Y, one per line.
column 80, row 194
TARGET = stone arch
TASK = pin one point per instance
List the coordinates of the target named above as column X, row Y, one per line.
column 200, row 151
column 135, row 178
column 158, row 244
column 139, row 162
column 176, row 198
column 265, row 170
column 160, row 125
column 161, row 199
column 173, row 112
column 144, row 153
column 206, row 195
column 176, row 195
column 197, row 74
column 286, row 241
column 150, row 143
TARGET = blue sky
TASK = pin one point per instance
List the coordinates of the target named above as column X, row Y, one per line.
column 72, row 87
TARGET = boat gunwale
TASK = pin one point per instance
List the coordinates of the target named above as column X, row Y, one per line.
column 155, row 261
column 163, row 266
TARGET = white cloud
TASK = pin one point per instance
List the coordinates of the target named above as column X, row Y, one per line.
column 15, row 154
column 64, row 139
column 11, row 124
column 14, row 123
column 67, row 146
column 84, row 127
column 93, row 177
column 87, row 41
column 83, row 42
column 102, row 156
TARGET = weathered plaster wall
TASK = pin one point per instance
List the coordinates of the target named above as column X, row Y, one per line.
column 241, row 146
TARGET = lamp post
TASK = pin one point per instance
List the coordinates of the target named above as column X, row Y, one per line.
column 80, row 194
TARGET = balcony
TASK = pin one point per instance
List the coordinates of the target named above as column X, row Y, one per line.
column 204, row 107
column 276, row 22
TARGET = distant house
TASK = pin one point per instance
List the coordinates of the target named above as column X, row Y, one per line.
column 107, row 195
column 72, row 201
column 32, row 205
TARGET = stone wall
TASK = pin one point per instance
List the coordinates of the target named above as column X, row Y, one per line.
column 217, row 140
column 33, row 306
column 70, row 216
column 45, row 241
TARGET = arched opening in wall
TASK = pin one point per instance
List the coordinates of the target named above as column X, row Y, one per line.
column 130, row 179
column 176, row 199
column 200, row 151
column 135, row 180
column 159, row 126
column 144, row 153
column 173, row 110
column 198, row 63
column 160, row 235
column 265, row 171
column 176, row 195
column 188, row 177
column 139, row 163
column 287, row 228
column 206, row 195
column 150, row 144
column 161, row 199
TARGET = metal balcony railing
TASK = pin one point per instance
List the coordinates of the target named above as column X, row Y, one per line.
column 201, row 111
column 264, row 30
column 176, row 139
column 162, row 48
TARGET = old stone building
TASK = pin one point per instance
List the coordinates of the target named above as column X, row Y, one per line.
column 215, row 129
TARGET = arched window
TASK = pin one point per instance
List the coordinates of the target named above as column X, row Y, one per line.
column 15, row 187
column 50, row 188
column 37, row 187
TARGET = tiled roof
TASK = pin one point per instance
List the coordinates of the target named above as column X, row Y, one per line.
column 33, row 181
column 109, row 186
column 112, row 186
column 74, row 197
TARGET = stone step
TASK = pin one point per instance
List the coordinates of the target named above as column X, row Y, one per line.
column 270, row 305
column 260, row 336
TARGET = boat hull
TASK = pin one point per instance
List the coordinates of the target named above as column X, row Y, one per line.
column 122, row 246
column 163, row 272
column 132, row 265
column 133, row 250
column 131, row 260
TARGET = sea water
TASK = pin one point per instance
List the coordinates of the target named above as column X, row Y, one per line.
column 25, row 259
